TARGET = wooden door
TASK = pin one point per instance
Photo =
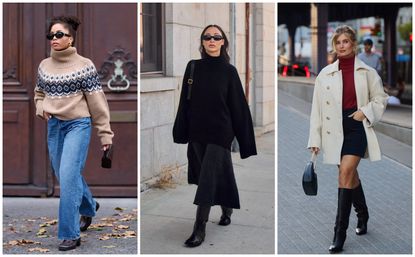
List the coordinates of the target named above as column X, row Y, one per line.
column 107, row 36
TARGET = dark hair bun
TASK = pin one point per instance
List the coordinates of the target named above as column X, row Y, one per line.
column 72, row 21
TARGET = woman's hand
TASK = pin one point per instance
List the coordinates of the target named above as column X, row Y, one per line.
column 46, row 115
column 316, row 150
column 358, row 115
column 105, row 147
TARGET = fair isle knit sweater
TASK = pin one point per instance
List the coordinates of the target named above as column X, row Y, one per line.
column 68, row 88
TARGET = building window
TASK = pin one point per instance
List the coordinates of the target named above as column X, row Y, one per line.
column 151, row 39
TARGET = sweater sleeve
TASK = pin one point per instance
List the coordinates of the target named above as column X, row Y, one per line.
column 241, row 116
column 98, row 108
column 181, row 123
column 39, row 96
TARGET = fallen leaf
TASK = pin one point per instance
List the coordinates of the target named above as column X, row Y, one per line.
column 109, row 246
column 104, row 238
column 100, row 225
column 48, row 223
column 13, row 242
column 41, row 232
column 129, row 234
column 30, row 220
column 134, row 210
column 43, row 236
column 120, row 209
column 23, row 242
column 122, row 227
column 38, row 249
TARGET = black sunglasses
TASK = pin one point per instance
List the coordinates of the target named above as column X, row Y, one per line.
column 58, row 35
column 215, row 37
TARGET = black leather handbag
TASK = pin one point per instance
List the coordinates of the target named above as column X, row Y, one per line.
column 310, row 177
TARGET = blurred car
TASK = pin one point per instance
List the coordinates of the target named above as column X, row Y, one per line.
column 296, row 69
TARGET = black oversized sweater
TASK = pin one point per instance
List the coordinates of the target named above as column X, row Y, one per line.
column 217, row 110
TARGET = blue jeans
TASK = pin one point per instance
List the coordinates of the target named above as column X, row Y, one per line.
column 68, row 142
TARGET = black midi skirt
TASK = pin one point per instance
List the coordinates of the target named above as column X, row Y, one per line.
column 355, row 142
column 210, row 167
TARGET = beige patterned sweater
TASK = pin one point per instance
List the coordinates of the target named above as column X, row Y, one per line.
column 68, row 87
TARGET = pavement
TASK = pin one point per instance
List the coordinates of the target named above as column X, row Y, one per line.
column 305, row 223
column 167, row 215
column 30, row 227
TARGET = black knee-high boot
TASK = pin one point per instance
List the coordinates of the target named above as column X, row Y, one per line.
column 344, row 206
column 225, row 219
column 199, row 229
column 359, row 203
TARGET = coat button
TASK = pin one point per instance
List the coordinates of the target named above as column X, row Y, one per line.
column 328, row 132
column 328, row 87
column 327, row 102
column 328, row 118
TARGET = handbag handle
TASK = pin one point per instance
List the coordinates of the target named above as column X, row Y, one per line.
column 313, row 159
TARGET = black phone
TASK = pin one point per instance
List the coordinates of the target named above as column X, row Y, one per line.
column 106, row 158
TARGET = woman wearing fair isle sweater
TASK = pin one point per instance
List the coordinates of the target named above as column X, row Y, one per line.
column 69, row 96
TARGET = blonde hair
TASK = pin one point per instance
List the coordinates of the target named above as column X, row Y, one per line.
column 349, row 33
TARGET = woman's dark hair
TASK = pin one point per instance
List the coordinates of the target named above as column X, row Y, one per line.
column 224, row 48
column 69, row 22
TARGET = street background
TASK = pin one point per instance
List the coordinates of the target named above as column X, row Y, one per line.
column 168, row 215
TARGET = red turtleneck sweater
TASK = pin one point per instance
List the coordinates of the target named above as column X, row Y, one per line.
column 346, row 65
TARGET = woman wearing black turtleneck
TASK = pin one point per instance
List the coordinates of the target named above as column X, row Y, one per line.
column 212, row 111
column 348, row 100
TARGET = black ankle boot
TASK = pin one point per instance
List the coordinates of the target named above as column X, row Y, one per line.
column 67, row 245
column 359, row 203
column 225, row 219
column 85, row 221
column 344, row 206
column 199, row 229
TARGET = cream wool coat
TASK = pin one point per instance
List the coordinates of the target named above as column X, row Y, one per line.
column 326, row 129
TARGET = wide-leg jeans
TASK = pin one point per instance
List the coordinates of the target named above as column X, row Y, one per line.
column 68, row 142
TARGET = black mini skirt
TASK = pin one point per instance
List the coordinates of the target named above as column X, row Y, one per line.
column 355, row 142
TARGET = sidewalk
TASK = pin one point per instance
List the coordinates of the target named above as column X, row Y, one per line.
column 34, row 220
column 305, row 223
column 167, row 216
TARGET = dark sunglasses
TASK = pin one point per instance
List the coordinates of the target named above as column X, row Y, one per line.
column 215, row 37
column 58, row 35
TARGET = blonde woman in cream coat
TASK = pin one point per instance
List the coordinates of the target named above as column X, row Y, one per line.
column 348, row 100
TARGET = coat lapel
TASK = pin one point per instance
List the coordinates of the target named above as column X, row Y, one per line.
column 360, row 82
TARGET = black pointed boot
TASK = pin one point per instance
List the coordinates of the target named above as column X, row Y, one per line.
column 344, row 206
column 359, row 203
column 199, row 229
column 225, row 219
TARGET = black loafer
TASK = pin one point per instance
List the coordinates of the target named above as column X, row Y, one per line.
column 69, row 244
column 85, row 221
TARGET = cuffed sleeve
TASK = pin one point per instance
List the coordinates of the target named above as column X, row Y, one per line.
column 241, row 116
column 181, row 122
column 39, row 96
column 99, row 110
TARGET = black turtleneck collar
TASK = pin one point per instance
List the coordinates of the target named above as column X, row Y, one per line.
column 210, row 58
